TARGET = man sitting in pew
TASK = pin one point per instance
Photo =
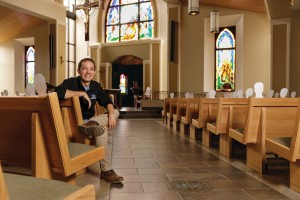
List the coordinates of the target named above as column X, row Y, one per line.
column 90, row 91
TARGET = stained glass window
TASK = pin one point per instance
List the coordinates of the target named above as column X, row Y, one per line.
column 225, row 60
column 129, row 20
column 29, row 65
column 123, row 84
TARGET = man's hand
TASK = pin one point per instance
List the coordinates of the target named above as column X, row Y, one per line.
column 87, row 98
column 111, row 121
column 71, row 93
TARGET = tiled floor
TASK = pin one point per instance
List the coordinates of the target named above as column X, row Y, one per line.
column 155, row 162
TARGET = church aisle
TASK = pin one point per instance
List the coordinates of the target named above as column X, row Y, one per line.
column 158, row 164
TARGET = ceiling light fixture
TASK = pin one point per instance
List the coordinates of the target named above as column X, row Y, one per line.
column 193, row 7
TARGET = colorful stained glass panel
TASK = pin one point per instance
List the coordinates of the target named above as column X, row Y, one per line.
column 112, row 34
column 129, row 32
column 129, row 13
column 225, row 39
column 225, row 70
column 112, row 16
column 146, row 30
column 123, row 2
column 146, row 11
column 114, row 3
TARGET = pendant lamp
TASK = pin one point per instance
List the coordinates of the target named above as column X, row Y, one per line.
column 214, row 21
column 193, row 7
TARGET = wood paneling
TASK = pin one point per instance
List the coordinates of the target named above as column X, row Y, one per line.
column 13, row 22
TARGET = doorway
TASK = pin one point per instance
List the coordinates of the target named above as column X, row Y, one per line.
column 129, row 78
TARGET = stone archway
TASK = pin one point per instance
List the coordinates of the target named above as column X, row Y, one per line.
column 132, row 68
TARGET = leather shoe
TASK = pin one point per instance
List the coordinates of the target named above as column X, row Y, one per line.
column 111, row 177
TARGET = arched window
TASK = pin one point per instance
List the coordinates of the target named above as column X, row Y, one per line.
column 225, row 60
column 29, row 64
column 129, row 20
column 123, row 84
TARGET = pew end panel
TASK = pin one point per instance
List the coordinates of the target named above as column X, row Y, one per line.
column 286, row 146
column 192, row 112
column 180, row 111
column 171, row 111
column 166, row 108
column 272, row 118
column 223, row 121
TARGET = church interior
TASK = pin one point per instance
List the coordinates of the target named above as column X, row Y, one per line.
column 156, row 58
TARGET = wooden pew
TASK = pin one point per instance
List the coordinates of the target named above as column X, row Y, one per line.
column 220, row 127
column 172, row 110
column 281, row 114
column 207, row 113
column 13, row 186
column 192, row 112
column 180, row 111
column 33, row 135
column 72, row 117
column 166, row 108
column 287, row 146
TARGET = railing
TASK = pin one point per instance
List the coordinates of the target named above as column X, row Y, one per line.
column 161, row 95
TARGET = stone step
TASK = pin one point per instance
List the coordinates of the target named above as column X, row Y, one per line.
column 132, row 113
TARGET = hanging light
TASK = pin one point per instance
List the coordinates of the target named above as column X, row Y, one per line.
column 214, row 21
column 193, row 7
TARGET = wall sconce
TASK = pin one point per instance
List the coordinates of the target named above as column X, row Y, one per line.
column 214, row 21
column 193, row 7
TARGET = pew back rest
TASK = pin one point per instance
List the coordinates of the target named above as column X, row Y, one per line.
column 180, row 109
column 280, row 118
column 172, row 109
column 43, row 114
column 222, row 121
column 287, row 145
column 209, row 105
column 72, row 117
column 18, row 125
column 166, row 106
column 192, row 109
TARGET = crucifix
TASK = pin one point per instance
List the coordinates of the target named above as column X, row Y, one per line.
column 86, row 7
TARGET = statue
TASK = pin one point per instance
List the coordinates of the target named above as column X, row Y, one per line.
column 86, row 7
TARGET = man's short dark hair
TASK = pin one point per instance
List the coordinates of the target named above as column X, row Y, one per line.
column 85, row 59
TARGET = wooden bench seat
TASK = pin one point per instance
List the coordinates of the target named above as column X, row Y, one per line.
column 192, row 112
column 281, row 114
column 180, row 111
column 287, row 145
column 33, row 135
column 13, row 186
column 207, row 113
column 221, row 126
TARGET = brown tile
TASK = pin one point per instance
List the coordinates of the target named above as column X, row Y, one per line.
column 214, row 169
column 146, row 196
column 125, row 188
column 122, row 160
column 265, row 194
column 216, row 195
column 145, row 179
column 197, row 176
column 134, row 165
column 234, row 184
column 163, row 171
column 154, row 187
column 122, row 172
